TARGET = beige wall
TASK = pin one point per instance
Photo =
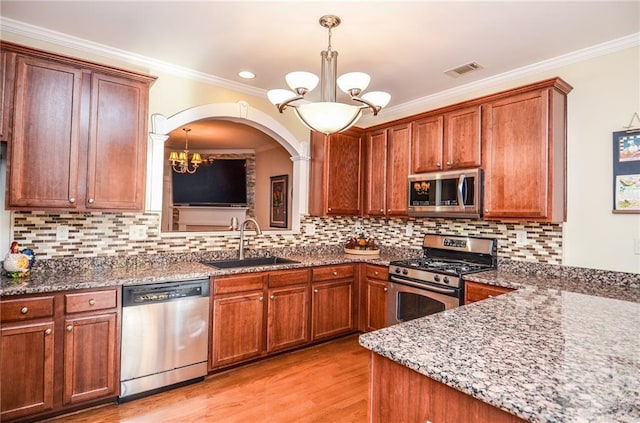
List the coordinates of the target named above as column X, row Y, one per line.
column 605, row 96
column 272, row 162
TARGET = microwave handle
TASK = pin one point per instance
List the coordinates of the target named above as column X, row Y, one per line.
column 461, row 182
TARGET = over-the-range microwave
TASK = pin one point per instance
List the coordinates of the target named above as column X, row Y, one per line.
column 446, row 194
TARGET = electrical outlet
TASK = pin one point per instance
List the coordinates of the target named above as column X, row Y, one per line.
column 408, row 231
column 62, row 233
column 137, row 232
column 310, row 229
column 521, row 237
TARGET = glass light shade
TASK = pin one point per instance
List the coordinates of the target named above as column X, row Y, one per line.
column 328, row 117
column 196, row 159
column 279, row 96
column 351, row 80
column 301, row 79
column 377, row 98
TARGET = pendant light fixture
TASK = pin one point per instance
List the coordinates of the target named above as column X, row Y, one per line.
column 328, row 116
column 180, row 160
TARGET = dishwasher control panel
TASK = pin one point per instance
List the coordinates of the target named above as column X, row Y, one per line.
column 156, row 293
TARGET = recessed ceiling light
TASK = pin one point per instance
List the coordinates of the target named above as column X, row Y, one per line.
column 246, row 74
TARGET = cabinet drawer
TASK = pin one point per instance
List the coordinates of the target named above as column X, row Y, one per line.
column 332, row 272
column 90, row 301
column 477, row 291
column 288, row 278
column 231, row 284
column 26, row 308
column 376, row 272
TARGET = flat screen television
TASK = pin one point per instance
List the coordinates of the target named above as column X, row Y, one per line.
column 222, row 183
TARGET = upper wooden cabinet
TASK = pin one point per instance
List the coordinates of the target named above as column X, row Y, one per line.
column 524, row 149
column 387, row 153
column 76, row 133
column 447, row 141
column 335, row 182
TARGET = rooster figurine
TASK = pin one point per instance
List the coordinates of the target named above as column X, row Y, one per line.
column 18, row 263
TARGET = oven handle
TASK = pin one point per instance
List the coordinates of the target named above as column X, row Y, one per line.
column 426, row 287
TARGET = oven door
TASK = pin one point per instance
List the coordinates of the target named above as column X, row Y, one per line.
column 410, row 302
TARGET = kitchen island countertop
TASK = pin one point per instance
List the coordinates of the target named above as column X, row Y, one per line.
column 548, row 352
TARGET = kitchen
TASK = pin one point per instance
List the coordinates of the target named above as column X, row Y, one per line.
column 601, row 87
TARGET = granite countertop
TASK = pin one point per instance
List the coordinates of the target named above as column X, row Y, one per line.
column 42, row 281
column 555, row 350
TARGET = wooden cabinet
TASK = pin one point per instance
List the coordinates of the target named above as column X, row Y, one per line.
column 374, row 296
column 288, row 309
column 524, row 150
column 78, row 133
column 335, row 181
column 58, row 351
column 237, row 319
column 387, row 154
column 7, row 74
column 448, row 141
column 475, row 291
column 399, row 394
column 332, row 301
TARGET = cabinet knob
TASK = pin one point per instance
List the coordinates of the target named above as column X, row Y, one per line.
column 315, row 291
column 261, row 299
column 439, row 165
column 91, row 200
column 72, row 200
column 273, row 297
column 385, row 289
column 486, row 210
column 376, row 273
column 69, row 328
column 388, row 210
column 48, row 331
column 335, row 273
column 449, row 164
column 490, row 296
column 381, row 210
column 329, row 209
column 92, row 302
column 24, row 310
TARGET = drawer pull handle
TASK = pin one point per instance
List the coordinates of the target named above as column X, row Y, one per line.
column 48, row 331
column 92, row 302
column 69, row 328
column 24, row 310
column 335, row 273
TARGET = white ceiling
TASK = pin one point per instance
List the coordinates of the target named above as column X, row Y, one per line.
column 405, row 46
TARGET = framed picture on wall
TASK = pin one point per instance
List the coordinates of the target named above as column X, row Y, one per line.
column 278, row 217
column 626, row 172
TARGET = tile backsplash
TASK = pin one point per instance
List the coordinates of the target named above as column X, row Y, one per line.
column 107, row 234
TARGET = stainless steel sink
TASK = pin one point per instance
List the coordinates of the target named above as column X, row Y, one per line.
column 249, row 262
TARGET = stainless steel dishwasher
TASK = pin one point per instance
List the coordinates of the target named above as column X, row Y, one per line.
column 164, row 336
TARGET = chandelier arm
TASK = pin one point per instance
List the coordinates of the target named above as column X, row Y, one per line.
column 375, row 109
column 286, row 103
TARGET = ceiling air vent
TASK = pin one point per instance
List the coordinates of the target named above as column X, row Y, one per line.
column 461, row 70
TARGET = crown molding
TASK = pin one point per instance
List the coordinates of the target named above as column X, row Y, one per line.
column 386, row 115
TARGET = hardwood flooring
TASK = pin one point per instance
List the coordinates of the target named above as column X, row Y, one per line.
column 327, row 383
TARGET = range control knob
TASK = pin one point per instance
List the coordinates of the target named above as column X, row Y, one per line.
column 446, row 279
column 436, row 278
column 405, row 271
column 397, row 270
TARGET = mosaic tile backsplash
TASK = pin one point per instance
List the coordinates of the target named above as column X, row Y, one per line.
column 107, row 234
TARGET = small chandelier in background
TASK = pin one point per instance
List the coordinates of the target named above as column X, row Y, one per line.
column 180, row 160
column 328, row 116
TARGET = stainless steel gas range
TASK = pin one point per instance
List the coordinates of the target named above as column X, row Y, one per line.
column 433, row 283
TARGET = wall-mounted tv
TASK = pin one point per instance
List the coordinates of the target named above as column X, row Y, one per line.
column 222, row 183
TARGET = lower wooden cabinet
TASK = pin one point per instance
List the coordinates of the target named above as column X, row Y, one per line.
column 475, row 291
column 399, row 394
column 58, row 351
column 332, row 301
column 287, row 318
column 374, row 295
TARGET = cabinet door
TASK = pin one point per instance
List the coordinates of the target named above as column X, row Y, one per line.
column 426, row 144
column 43, row 160
column 332, row 309
column 376, row 173
column 398, row 151
column 376, row 303
column 515, row 143
column 474, row 291
column 117, row 143
column 238, row 329
column 287, row 318
column 343, row 177
column 26, row 369
column 462, row 131
column 90, row 358
column 7, row 77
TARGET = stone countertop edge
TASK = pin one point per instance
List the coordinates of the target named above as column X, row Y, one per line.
column 43, row 281
column 554, row 350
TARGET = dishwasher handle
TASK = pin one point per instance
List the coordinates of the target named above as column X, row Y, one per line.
column 139, row 295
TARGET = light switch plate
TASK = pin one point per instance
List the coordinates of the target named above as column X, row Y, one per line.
column 137, row 232
column 62, row 233
column 521, row 237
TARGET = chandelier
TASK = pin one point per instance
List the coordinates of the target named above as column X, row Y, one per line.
column 180, row 160
column 328, row 116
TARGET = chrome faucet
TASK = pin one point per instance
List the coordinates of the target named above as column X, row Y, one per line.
column 243, row 226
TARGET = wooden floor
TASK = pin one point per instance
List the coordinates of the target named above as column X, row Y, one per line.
column 328, row 383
